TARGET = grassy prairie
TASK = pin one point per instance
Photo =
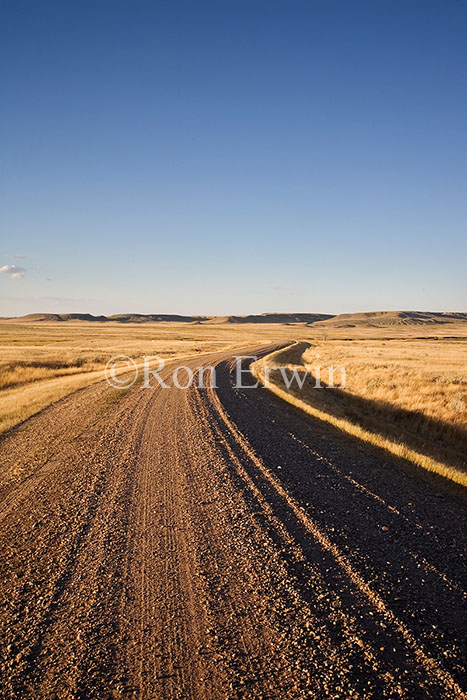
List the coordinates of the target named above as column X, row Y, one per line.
column 43, row 362
column 406, row 386
column 427, row 376
column 405, row 393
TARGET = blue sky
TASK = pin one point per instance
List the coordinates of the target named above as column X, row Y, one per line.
column 233, row 157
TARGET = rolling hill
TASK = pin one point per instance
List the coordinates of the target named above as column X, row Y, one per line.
column 392, row 318
column 369, row 319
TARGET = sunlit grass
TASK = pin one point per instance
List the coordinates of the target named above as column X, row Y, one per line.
column 407, row 397
column 41, row 363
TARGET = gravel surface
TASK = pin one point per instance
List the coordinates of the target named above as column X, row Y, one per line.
column 216, row 543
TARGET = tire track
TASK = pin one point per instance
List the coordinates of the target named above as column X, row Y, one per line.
column 207, row 544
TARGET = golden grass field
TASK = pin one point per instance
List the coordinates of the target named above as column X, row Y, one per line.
column 42, row 362
column 405, row 385
column 403, row 392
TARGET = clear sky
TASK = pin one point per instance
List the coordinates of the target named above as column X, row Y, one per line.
column 236, row 156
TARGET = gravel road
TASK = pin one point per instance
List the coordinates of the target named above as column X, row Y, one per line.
column 217, row 544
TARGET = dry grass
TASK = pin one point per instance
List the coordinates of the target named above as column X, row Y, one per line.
column 42, row 362
column 428, row 376
column 408, row 396
column 406, row 386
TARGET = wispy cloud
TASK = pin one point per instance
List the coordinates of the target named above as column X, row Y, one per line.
column 14, row 271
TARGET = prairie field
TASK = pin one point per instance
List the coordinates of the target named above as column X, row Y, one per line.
column 42, row 362
column 425, row 376
column 400, row 391
column 406, row 384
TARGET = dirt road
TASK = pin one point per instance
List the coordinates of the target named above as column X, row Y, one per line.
column 214, row 543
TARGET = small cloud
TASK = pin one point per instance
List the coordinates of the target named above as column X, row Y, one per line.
column 18, row 256
column 14, row 271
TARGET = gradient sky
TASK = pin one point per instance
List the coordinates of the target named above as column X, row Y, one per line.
column 233, row 156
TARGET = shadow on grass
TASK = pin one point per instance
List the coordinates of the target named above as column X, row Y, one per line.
column 432, row 437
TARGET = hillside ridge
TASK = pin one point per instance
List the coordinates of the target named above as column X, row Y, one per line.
column 370, row 319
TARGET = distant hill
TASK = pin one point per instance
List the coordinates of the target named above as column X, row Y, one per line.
column 392, row 318
column 118, row 318
column 155, row 318
column 369, row 319
column 175, row 318
column 61, row 317
column 270, row 318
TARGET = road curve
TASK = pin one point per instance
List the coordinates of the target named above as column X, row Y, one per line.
column 215, row 544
